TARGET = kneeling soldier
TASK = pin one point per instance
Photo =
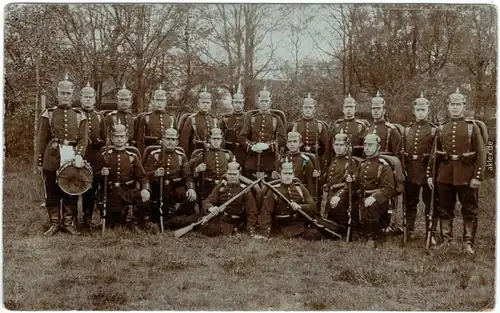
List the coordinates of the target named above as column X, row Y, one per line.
column 125, row 201
column 376, row 187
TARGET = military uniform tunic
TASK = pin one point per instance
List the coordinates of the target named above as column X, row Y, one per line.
column 196, row 130
column 152, row 126
column 231, row 126
column 303, row 169
column 354, row 128
column 390, row 138
column 121, row 117
column 314, row 132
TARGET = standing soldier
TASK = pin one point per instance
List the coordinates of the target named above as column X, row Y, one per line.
column 196, row 129
column 302, row 164
column 388, row 133
column 212, row 161
column 125, row 201
column 231, row 125
column 335, row 204
column 97, row 138
column 313, row 131
column 262, row 135
column 62, row 128
column 122, row 115
column 178, row 184
column 152, row 125
column 354, row 128
column 418, row 139
column 376, row 187
column 461, row 163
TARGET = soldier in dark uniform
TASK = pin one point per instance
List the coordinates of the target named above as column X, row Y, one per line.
column 302, row 164
column 232, row 218
column 388, row 133
column 376, row 187
column 354, row 128
column 231, row 125
column 152, row 125
column 313, row 131
column 277, row 214
column 262, row 130
column 336, row 189
column 179, row 194
column 213, row 162
column 196, row 129
column 123, row 115
column 460, row 171
column 62, row 128
column 97, row 138
column 126, row 203
column 419, row 137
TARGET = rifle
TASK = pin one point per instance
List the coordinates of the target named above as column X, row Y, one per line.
column 182, row 231
column 316, row 155
column 403, row 159
column 428, row 235
column 105, row 194
column 160, row 207
column 349, row 208
column 304, row 214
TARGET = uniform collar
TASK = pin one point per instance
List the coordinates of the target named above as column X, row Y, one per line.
column 349, row 119
column 461, row 118
column 422, row 122
column 380, row 121
column 308, row 118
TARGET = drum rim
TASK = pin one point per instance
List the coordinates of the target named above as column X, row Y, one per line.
column 68, row 164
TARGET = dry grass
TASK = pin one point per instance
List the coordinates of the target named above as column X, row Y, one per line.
column 124, row 271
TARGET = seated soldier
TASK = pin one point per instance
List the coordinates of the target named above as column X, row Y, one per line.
column 376, row 187
column 212, row 161
column 336, row 192
column 287, row 220
column 179, row 195
column 125, row 202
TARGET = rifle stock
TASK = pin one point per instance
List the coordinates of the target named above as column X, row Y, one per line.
column 403, row 166
column 428, row 235
column 105, row 192
column 349, row 209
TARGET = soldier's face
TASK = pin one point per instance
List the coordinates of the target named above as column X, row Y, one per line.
column 293, row 145
column 216, row 141
column 308, row 110
column 65, row 97
column 233, row 176
column 238, row 105
column 124, row 103
column 119, row 140
column 170, row 143
column 204, row 105
column 87, row 101
column 264, row 104
column 378, row 112
column 340, row 148
column 370, row 148
column 287, row 176
column 421, row 112
column 349, row 110
column 456, row 109
column 159, row 104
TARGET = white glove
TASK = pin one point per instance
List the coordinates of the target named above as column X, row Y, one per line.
column 191, row 195
column 429, row 182
column 160, row 172
column 295, row 206
column 213, row 209
column 78, row 161
column 316, row 173
column 145, row 195
column 105, row 171
column 475, row 183
column 334, row 201
column 201, row 168
column 275, row 175
column 369, row 201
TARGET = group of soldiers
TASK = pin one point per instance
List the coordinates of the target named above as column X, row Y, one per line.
column 252, row 171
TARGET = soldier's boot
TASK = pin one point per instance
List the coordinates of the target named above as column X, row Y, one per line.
column 446, row 225
column 435, row 222
column 55, row 220
column 68, row 220
column 470, row 229
column 411, row 216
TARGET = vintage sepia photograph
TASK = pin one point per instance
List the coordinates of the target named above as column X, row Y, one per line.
column 249, row 156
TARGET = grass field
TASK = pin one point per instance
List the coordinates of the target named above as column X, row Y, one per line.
column 123, row 271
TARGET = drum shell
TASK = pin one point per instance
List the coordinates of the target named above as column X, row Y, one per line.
column 75, row 181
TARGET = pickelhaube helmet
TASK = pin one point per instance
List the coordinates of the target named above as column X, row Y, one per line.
column 457, row 97
column 171, row 133
column 293, row 135
column 378, row 101
column 238, row 96
column 215, row 132
column 160, row 94
column 372, row 138
column 340, row 137
column 124, row 92
column 204, row 94
column 233, row 165
column 421, row 101
column 65, row 84
column 119, row 129
column 87, row 90
column 264, row 94
column 286, row 165
column 309, row 100
column 349, row 100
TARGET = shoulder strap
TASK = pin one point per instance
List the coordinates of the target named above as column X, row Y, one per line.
column 193, row 124
column 470, row 128
column 294, row 128
column 299, row 190
column 433, row 131
column 320, row 126
column 388, row 139
column 275, row 122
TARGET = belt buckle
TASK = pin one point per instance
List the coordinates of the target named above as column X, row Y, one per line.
column 216, row 181
column 116, row 184
column 414, row 157
column 307, row 148
column 66, row 142
column 166, row 182
column 455, row 157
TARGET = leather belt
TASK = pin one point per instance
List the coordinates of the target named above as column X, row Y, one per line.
column 455, row 157
column 118, row 184
column 215, row 181
column 232, row 216
column 64, row 141
column 168, row 181
column 416, row 157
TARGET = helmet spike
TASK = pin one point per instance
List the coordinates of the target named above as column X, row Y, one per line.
column 349, row 95
column 421, row 94
column 205, row 88
column 124, row 87
column 458, row 90
column 239, row 88
column 66, row 76
column 88, row 84
column 309, row 95
column 161, row 87
column 265, row 87
column 378, row 93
